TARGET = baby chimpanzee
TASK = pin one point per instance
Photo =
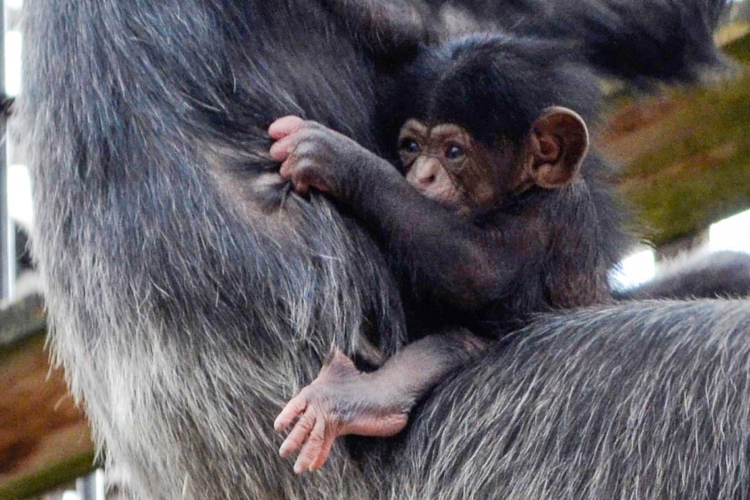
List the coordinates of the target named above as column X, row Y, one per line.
column 494, row 218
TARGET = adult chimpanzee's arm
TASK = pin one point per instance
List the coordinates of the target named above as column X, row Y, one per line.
column 672, row 42
column 595, row 403
column 452, row 258
column 387, row 27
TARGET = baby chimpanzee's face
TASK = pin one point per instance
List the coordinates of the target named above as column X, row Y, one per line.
column 444, row 162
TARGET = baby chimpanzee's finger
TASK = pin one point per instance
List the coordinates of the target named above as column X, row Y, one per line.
column 294, row 440
column 300, row 185
column 280, row 150
column 285, row 126
column 312, row 447
column 292, row 410
column 287, row 169
column 324, row 451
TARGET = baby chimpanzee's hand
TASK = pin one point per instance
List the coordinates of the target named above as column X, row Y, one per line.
column 314, row 156
column 341, row 400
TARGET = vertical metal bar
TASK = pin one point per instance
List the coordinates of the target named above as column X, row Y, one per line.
column 101, row 485
column 7, row 238
column 91, row 486
column 86, row 488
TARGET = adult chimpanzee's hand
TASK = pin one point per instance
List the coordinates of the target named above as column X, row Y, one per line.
column 314, row 156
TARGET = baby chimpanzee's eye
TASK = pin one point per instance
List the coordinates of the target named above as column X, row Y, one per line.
column 410, row 146
column 454, row 152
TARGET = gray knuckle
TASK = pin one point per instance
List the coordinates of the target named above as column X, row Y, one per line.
column 308, row 167
column 307, row 148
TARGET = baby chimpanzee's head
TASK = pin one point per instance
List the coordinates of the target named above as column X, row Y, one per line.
column 486, row 118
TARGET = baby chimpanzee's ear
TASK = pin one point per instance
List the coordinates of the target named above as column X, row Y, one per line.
column 555, row 147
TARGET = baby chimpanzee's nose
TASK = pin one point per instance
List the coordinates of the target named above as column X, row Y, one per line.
column 424, row 172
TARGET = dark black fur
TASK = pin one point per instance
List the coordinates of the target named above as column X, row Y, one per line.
column 496, row 87
column 189, row 296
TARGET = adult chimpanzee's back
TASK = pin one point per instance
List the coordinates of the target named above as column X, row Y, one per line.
column 190, row 296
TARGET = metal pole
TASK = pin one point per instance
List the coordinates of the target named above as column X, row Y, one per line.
column 91, row 487
column 7, row 237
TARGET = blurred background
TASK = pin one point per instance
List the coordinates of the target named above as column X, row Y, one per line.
column 684, row 166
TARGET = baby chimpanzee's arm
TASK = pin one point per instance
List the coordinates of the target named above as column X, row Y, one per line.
column 343, row 400
column 451, row 258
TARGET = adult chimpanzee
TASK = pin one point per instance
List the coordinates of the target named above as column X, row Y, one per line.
column 189, row 295
column 500, row 224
